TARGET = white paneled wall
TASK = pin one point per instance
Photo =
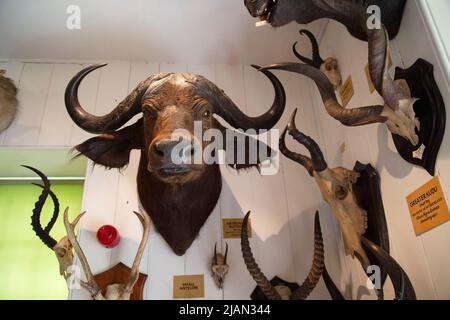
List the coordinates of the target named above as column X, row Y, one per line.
column 424, row 258
column 282, row 205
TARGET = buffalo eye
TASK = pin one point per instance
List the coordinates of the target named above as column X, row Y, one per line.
column 206, row 113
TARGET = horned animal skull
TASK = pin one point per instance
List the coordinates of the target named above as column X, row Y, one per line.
column 329, row 66
column 336, row 187
column 64, row 254
column 219, row 266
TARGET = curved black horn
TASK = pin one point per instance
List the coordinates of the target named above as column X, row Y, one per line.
column 331, row 286
column 124, row 111
column 317, row 60
column 317, row 159
column 297, row 157
column 55, row 215
column 257, row 275
column 35, row 218
column 226, row 254
column 215, row 254
column 227, row 109
column 347, row 116
column 404, row 290
column 317, row 267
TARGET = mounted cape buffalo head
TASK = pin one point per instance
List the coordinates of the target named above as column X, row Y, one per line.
column 178, row 195
column 278, row 289
column 352, row 14
column 336, row 187
column 329, row 66
column 397, row 112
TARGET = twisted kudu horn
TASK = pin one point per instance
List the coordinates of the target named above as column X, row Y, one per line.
column 124, row 111
column 227, row 109
column 403, row 287
column 317, row 60
column 349, row 117
column 316, row 162
column 317, row 267
column 257, row 275
column 400, row 280
column 44, row 235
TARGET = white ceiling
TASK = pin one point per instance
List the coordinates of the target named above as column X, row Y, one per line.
column 189, row 31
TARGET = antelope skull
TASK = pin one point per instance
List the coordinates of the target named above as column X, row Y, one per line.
column 329, row 66
column 219, row 266
column 336, row 187
column 8, row 101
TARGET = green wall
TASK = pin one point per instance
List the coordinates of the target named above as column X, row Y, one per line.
column 28, row 268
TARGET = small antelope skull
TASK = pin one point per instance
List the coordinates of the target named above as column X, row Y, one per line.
column 336, row 186
column 219, row 266
column 329, row 66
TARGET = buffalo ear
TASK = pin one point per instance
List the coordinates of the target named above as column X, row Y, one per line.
column 249, row 160
column 112, row 150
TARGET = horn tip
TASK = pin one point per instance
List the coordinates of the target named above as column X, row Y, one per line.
column 291, row 126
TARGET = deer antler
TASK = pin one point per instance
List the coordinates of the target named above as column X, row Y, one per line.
column 134, row 275
column 90, row 285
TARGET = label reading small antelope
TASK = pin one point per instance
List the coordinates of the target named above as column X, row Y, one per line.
column 428, row 207
column 347, row 91
column 188, row 286
column 232, row 228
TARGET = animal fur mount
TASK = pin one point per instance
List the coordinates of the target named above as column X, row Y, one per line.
column 397, row 112
column 336, row 187
column 8, row 101
column 403, row 287
column 179, row 197
column 115, row 291
column 65, row 247
column 219, row 267
column 352, row 14
column 278, row 289
column 329, row 66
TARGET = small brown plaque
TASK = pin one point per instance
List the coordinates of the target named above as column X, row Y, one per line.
column 232, row 228
column 428, row 207
column 347, row 91
column 192, row 286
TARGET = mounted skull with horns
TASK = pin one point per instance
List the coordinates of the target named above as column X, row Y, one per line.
column 336, row 188
column 397, row 112
column 219, row 266
column 283, row 291
column 179, row 197
column 329, row 66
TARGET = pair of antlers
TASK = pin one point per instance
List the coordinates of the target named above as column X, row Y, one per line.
column 90, row 284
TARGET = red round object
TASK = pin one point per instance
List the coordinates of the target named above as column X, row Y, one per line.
column 108, row 236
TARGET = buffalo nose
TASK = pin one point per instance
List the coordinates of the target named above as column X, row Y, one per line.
column 170, row 151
